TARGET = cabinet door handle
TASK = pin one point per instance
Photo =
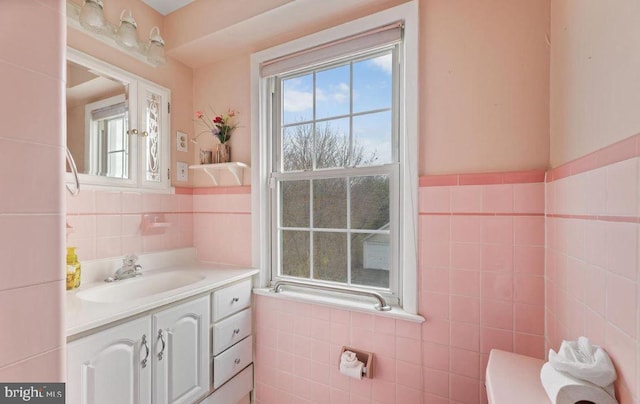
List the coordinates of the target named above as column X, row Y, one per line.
column 235, row 300
column 236, row 331
column 144, row 133
column 146, row 347
column 237, row 361
column 161, row 338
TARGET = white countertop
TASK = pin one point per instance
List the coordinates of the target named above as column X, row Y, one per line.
column 83, row 315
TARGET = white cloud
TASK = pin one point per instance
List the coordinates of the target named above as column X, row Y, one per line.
column 340, row 93
column 384, row 63
column 296, row 101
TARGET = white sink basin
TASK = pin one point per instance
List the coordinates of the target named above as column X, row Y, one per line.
column 139, row 287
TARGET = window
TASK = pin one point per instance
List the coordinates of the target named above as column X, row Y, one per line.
column 335, row 172
column 335, row 184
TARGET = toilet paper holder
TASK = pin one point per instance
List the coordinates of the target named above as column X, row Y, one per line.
column 364, row 357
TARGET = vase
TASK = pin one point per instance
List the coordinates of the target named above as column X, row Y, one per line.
column 205, row 156
column 222, row 153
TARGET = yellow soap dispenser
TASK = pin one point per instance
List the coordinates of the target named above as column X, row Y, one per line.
column 73, row 269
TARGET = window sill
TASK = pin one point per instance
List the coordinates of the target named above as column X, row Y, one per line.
column 341, row 301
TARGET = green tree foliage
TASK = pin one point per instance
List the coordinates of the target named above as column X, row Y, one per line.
column 369, row 205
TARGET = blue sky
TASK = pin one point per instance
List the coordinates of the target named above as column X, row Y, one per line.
column 372, row 85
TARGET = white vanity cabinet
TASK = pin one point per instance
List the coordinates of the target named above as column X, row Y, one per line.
column 231, row 345
column 181, row 349
column 159, row 358
column 112, row 366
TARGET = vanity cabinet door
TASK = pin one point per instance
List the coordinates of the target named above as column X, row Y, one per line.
column 111, row 366
column 181, row 352
column 153, row 102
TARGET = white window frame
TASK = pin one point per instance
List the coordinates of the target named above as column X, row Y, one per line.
column 408, row 143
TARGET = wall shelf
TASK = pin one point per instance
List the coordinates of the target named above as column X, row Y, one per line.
column 236, row 169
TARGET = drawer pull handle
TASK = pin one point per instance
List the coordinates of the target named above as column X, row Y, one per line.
column 235, row 300
column 146, row 347
column 161, row 338
column 236, row 331
column 237, row 361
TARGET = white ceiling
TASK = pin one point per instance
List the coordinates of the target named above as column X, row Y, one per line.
column 165, row 7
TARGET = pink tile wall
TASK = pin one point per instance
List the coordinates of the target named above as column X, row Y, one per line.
column 482, row 278
column 31, row 185
column 222, row 225
column 109, row 223
column 298, row 346
column 592, row 258
column 482, row 287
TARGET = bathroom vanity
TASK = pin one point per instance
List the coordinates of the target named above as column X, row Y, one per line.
column 181, row 334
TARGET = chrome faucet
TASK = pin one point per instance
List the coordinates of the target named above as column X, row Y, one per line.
column 129, row 269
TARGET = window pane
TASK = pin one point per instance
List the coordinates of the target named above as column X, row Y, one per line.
column 330, row 256
column 370, row 259
column 372, row 84
column 295, row 253
column 333, row 92
column 372, row 139
column 297, row 96
column 330, row 203
column 295, row 203
column 297, row 147
column 370, row 202
column 115, row 166
column 116, row 134
column 332, row 143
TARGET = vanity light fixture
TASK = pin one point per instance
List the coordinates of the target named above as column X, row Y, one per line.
column 155, row 49
column 92, row 16
column 89, row 18
column 127, row 35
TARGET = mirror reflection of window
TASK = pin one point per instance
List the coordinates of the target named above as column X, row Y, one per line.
column 107, row 137
column 97, row 122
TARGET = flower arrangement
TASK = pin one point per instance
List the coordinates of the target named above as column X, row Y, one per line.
column 220, row 127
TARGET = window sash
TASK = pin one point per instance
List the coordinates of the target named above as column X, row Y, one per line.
column 277, row 102
column 392, row 171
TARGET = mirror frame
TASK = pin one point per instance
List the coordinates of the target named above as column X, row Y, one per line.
column 134, row 84
column 131, row 82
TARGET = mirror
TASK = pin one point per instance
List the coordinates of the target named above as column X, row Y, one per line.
column 98, row 122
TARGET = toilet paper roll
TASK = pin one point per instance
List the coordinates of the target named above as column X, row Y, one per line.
column 352, row 370
column 562, row 388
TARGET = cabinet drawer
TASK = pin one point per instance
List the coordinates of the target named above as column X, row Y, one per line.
column 234, row 391
column 231, row 300
column 230, row 330
column 232, row 361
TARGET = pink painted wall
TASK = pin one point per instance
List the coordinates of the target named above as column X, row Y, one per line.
column 32, row 204
column 484, row 75
column 482, row 287
column 484, row 83
column 174, row 75
column 219, row 88
column 594, row 76
column 109, row 224
column 592, row 257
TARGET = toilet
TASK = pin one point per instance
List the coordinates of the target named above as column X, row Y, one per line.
column 513, row 378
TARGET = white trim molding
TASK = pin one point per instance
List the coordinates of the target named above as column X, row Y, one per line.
column 261, row 146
